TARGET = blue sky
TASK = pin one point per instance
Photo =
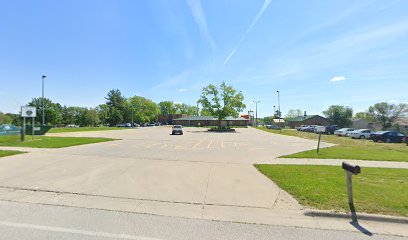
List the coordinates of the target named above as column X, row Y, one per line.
column 316, row 53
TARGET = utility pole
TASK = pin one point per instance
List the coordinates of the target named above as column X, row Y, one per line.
column 256, row 112
column 43, row 110
column 133, row 124
column 279, row 108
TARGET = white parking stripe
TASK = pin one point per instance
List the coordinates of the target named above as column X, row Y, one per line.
column 74, row 231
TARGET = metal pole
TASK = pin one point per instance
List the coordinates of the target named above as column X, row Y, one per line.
column 274, row 112
column 349, row 188
column 256, row 112
column 132, row 118
column 32, row 130
column 279, row 108
column 23, row 130
column 318, row 143
column 43, row 110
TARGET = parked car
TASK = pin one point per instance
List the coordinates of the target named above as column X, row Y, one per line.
column 136, row 125
column 361, row 133
column 123, row 125
column 343, row 131
column 273, row 127
column 406, row 140
column 177, row 129
column 310, row 128
column 387, row 136
column 325, row 129
column 301, row 126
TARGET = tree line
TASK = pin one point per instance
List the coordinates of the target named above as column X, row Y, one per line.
column 383, row 113
column 116, row 109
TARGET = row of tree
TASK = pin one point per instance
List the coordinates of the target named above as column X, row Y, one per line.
column 385, row 114
column 116, row 109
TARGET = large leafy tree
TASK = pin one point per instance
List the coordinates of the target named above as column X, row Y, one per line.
column 116, row 106
column 167, row 107
column 293, row 113
column 339, row 115
column 103, row 111
column 5, row 119
column 53, row 111
column 386, row 114
column 221, row 102
column 144, row 110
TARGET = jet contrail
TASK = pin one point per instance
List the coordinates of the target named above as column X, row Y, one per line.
column 264, row 7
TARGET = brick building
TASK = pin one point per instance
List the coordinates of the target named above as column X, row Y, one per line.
column 308, row 120
column 167, row 119
column 210, row 121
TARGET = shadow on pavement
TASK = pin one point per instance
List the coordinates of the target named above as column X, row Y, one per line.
column 390, row 219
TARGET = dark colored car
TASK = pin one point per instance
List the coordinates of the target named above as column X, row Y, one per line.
column 177, row 129
column 406, row 140
column 387, row 136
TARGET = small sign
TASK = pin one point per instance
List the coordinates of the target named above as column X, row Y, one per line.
column 37, row 129
column 28, row 111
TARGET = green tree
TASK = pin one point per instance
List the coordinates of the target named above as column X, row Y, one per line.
column 339, row 115
column 293, row 113
column 268, row 120
column 103, row 111
column 5, row 119
column 116, row 104
column 53, row 111
column 68, row 115
column 363, row 115
column 167, row 107
column 386, row 114
column 221, row 102
column 144, row 110
column 89, row 117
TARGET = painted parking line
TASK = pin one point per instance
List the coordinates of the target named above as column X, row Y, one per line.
column 197, row 144
column 209, row 144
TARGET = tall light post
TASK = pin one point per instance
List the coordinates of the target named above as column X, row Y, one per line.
column 43, row 109
column 274, row 112
column 279, row 107
column 256, row 112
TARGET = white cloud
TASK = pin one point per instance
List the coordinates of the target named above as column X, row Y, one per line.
column 199, row 16
column 182, row 90
column 337, row 79
column 264, row 7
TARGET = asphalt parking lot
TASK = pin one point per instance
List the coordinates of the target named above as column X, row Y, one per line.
column 149, row 169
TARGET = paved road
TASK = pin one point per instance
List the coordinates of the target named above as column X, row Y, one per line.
column 22, row 221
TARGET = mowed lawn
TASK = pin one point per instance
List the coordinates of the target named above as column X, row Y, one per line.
column 49, row 142
column 376, row 190
column 5, row 153
column 82, row 129
column 348, row 148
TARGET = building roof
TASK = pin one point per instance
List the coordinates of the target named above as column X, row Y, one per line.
column 209, row 118
column 303, row 118
column 277, row 120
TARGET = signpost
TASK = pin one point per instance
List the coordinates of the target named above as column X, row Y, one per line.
column 27, row 112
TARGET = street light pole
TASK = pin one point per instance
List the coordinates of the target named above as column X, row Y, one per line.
column 43, row 110
column 279, row 107
column 256, row 113
column 274, row 112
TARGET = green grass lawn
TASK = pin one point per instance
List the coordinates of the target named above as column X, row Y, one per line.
column 5, row 153
column 82, row 129
column 348, row 148
column 49, row 142
column 376, row 190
